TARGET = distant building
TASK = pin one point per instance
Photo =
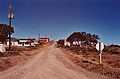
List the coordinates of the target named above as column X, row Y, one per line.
column 14, row 42
column 26, row 42
column 44, row 40
column 66, row 43
column 22, row 42
column 63, row 42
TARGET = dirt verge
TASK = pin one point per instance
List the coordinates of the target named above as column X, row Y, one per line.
column 16, row 56
column 90, row 63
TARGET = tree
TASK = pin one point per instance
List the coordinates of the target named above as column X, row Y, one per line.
column 76, row 36
column 84, row 37
column 5, row 30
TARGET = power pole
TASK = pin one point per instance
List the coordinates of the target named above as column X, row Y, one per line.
column 10, row 17
column 38, row 35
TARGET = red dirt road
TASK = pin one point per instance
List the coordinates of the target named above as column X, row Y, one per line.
column 50, row 63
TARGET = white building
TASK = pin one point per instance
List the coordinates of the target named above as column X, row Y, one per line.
column 23, row 42
column 67, row 43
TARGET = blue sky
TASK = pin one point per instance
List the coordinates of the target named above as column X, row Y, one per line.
column 59, row 18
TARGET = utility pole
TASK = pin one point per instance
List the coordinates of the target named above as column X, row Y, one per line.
column 38, row 35
column 38, row 38
column 10, row 17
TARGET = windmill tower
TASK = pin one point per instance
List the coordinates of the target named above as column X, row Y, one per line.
column 10, row 17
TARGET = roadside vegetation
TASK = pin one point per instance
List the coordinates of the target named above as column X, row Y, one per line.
column 85, row 54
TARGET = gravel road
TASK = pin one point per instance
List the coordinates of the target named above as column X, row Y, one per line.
column 50, row 63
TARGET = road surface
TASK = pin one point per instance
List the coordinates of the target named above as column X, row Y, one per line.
column 50, row 63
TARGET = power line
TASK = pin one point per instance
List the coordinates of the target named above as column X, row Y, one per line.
column 29, row 32
column 25, row 29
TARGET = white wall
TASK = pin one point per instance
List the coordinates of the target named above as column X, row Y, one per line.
column 13, row 43
column 2, row 48
column 16, row 44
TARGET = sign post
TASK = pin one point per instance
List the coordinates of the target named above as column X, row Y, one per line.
column 100, row 47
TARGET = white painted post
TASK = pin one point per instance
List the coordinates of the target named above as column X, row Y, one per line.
column 100, row 52
column 100, row 47
column 100, row 57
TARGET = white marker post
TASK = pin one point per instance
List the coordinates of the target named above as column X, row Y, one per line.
column 100, row 47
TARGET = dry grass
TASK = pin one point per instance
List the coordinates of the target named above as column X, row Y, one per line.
column 88, row 58
column 15, row 56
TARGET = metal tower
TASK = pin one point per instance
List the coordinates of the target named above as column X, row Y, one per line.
column 10, row 17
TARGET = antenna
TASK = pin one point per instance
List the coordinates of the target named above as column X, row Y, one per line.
column 10, row 14
column 10, row 17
